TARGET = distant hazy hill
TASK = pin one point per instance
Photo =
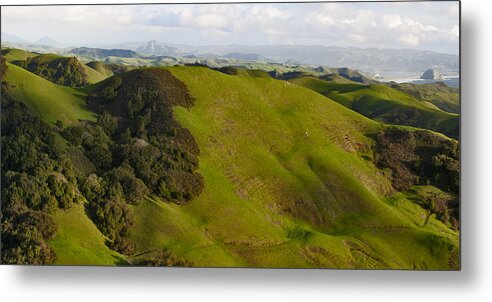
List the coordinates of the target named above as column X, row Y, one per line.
column 48, row 41
column 246, row 56
column 155, row 48
column 367, row 59
column 101, row 53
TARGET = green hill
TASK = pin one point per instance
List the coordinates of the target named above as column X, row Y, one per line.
column 67, row 71
column 288, row 183
column 79, row 242
column 289, row 175
column 442, row 96
column 385, row 104
column 13, row 54
column 49, row 101
column 101, row 68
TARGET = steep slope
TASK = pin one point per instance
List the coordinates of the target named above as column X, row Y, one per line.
column 49, row 101
column 385, row 104
column 288, row 183
column 79, row 242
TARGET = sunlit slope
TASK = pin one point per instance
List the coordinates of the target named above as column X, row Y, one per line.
column 442, row 96
column 14, row 54
column 79, row 242
column 93, row 76
column 101, row 68
column 49, row 101
column 289, row 182
column 385, row 104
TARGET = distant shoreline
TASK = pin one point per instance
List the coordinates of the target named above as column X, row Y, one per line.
column 451, row 81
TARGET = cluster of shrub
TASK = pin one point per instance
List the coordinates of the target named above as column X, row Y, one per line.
column 422, row 158
column 401, row 115
column 62, row 71
column 36, row 180
column 135, row 148
column 165, row 258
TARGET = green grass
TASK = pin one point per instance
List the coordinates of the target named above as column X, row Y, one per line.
column 49, row 101
column 79, row 242
column 444, row 97
column 278, row 157
column 383, row 103
column 93, row 76
column 13, row 54
column 100, row 68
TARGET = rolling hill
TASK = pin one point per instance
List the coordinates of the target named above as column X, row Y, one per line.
column 67, row 71
column 286, row 185
column 439, row 94
column 49, row 101
column 385, row 104
column 290, row 176
column 101, row 68
column 13, row 54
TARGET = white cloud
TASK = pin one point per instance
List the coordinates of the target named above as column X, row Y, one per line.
column 369, row 24
column 409, row 40
column 392, row 21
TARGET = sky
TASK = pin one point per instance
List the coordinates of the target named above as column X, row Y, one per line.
column 432, row 25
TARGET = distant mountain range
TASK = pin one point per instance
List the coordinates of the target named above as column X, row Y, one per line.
column 364, row 59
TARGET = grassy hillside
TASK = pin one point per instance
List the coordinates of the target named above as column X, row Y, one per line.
column 67, row 71
column 289, row 175
column 101, row 68
column 49, row 101
column 79, row 242
column 13, row 54
column 439, row 94
column 94, row 76
column 385, row 104
column 288, row 183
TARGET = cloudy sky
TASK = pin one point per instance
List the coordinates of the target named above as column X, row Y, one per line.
column 425, row 25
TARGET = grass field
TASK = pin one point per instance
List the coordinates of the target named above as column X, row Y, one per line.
column 49, row 101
